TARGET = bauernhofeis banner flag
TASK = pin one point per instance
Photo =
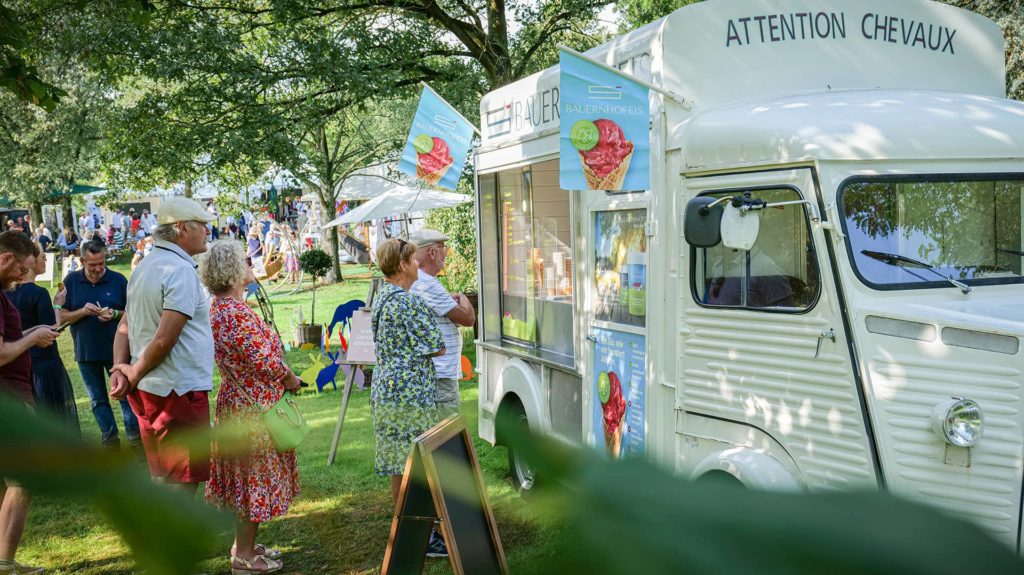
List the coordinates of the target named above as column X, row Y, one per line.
column 605, row 128
column 435, row 152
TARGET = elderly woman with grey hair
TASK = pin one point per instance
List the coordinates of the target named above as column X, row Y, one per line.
column 257, row 483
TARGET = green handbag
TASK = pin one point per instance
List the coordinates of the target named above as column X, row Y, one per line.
column 284, row 421
column 286, row 425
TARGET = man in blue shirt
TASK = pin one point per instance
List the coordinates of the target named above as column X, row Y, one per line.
column 96, row 299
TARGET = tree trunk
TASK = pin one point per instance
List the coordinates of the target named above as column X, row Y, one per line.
column 188, row 188
column 36, row 209
column 330, row 236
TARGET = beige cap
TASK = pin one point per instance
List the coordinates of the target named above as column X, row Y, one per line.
column 424, row 238
column 180, row 209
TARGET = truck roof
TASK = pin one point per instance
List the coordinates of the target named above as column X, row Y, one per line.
column 852, row 125
column 719, row 52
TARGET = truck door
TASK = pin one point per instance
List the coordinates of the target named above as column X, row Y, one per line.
column 764, row 354
column 615, row 287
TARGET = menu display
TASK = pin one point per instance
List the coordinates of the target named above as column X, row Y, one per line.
column 620, row 263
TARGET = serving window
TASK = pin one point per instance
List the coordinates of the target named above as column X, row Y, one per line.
column 526, row 236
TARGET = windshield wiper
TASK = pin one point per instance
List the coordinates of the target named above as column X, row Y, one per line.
column 903, row 261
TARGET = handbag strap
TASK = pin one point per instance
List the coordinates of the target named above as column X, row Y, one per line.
column 257, row 408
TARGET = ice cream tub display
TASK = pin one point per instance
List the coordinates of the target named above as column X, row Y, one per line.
column 637, row 284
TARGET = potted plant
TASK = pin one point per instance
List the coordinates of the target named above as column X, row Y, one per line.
column 316, row 263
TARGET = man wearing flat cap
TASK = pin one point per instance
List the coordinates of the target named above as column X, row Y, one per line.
column 163, row 354
column 450, row 312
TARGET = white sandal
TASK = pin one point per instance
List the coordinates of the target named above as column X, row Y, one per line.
column 250, row 566
column 265, row 551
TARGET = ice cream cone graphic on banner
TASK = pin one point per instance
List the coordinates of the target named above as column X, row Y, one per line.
column 604, row 141
column 604, row 153
column 433, row 158
column 613, row 410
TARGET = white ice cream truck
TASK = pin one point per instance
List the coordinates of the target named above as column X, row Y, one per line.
column 822, row 288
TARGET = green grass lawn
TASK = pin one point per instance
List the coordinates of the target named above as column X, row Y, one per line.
column 339, row 524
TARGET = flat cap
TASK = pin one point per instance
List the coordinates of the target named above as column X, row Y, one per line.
column 178, row 209
column 424, row 238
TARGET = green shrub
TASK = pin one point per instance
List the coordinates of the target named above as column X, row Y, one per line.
column 459, row 224
column 316, row 263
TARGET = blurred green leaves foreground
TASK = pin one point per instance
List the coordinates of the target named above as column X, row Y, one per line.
column 167, row 530
column 630, row 517
column 621, row 517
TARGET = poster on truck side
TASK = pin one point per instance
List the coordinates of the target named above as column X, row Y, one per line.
column 604, row 140
column 438, row 143
column 620, row 378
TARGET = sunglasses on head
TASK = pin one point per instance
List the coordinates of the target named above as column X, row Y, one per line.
column 401, row 244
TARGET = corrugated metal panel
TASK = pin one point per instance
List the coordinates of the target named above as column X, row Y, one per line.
column 760, row 368
column 906, row 383
column 566, row 404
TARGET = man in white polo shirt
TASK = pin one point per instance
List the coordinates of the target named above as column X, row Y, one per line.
column 450, row 311
column 163, row 352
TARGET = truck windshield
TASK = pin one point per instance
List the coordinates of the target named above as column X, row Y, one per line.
column 965, row 230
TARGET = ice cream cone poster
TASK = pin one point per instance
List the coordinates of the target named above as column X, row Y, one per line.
column 605, row 138
column 620, row 377
column 438, row 142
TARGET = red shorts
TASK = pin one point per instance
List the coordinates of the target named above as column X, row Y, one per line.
column 163, row 423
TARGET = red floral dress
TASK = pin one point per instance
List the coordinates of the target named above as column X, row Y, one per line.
column 258, row 483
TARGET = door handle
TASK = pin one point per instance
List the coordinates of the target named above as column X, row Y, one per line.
column 592, row 338
column 829, row 334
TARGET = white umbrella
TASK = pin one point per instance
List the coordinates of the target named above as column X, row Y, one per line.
column 366, row 186
column 400, row 201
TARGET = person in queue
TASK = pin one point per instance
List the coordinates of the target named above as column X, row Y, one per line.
column 50, row 380
column 95, row 299
column 403, row 397
column 16, row 259
column 450, row 311
column 257, row 483
column 163, row 351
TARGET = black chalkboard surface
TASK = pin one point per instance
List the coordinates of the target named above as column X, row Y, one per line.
column 443, row 480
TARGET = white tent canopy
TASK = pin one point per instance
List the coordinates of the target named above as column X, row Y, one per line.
column 400, row 200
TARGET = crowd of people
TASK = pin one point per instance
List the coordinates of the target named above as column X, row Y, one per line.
column 151, row 342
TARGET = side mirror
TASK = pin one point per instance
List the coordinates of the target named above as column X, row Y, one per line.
column 739, row 228
column 702, row 222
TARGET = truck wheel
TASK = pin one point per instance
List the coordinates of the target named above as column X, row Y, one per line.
column 721, row 478
column 521, row 472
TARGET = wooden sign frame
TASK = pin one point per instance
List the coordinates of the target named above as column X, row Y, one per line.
column 349, row 381
column 413, row 519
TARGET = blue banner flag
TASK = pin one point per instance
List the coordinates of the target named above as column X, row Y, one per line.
column 435, row 152
column 605, row 128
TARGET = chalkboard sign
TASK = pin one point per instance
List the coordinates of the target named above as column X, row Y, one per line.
column 443, row 481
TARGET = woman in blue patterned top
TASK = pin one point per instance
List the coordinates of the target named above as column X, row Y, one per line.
column 403, row 397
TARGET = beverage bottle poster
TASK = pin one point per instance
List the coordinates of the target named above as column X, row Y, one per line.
column 604, row 140
column 620, row 378
column 438, row 143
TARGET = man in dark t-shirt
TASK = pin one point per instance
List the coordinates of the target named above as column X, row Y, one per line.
column 17, row 256
column 96, row 300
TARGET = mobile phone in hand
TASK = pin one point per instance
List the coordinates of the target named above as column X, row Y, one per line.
column 62, row 327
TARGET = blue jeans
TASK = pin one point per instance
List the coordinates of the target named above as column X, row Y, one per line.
column 94, row 374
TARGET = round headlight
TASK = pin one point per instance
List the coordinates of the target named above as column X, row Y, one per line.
column 959, row 422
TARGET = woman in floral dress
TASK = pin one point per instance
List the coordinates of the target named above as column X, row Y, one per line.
column 254, row 480
column 403, row 397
